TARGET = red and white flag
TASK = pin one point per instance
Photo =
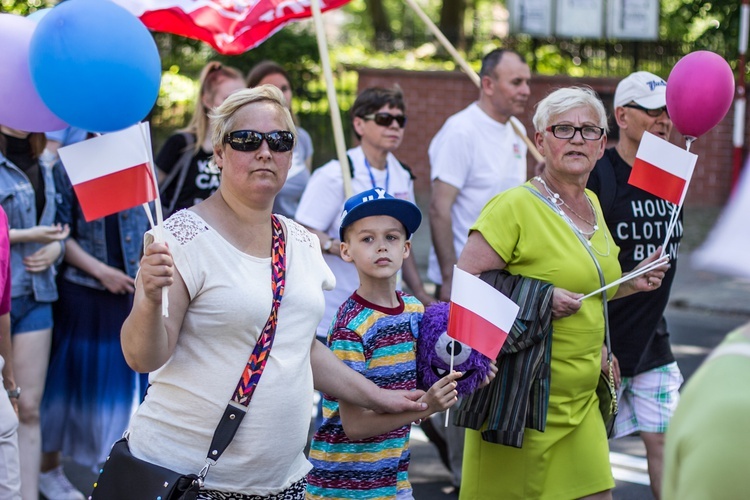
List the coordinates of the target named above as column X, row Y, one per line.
column 230, row 26
column 112, row 172
column 662, row 169
column 480, row 316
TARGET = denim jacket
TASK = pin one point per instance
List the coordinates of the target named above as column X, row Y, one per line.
column 91, row 236
column 18, row 200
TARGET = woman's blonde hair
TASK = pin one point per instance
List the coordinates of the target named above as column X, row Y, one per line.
column 223, row 117
column 565, row 99
column 212, row 75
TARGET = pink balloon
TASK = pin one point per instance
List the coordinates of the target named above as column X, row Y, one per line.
column 20, row 105
column 700, row 90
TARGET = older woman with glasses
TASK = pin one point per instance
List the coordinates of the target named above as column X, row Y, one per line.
column 217, row 262
column 551, row 229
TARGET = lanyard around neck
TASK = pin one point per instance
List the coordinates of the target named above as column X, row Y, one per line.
column 372, row 177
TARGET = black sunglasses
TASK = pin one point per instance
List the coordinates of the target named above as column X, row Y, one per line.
column 279, row 141
column 653, row 113
column 588, row 132
column 385, row 119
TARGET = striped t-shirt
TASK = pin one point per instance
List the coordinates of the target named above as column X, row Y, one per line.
column 380, row 344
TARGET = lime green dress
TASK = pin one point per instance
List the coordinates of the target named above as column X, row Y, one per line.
column 570, row 459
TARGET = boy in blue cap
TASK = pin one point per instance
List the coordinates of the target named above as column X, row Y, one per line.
column 374, row 332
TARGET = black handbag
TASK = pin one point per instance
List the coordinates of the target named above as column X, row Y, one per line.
column 125, row 477
column 605, row 391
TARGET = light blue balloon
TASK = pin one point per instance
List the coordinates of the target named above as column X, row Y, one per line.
column 95, row 65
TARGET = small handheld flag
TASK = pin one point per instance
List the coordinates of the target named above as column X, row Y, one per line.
column 662, row 169
column 110, row 173
column 480, row 316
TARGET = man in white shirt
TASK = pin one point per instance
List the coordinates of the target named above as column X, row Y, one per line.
column 474, row 156
column 477, row 154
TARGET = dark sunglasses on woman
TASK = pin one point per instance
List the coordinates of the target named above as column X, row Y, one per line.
column 385, row 119
column 279, row 141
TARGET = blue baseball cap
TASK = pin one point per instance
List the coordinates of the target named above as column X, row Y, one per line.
column 378, row 202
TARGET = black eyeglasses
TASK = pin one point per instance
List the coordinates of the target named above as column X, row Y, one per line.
column 588, row 132
column 385, row 119
column 653, row 113
column 279, row 141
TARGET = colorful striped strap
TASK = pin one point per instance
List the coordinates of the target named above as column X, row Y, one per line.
column 257, row 361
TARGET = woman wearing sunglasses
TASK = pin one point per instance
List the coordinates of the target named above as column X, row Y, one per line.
column 378, row 119
column 226, row 262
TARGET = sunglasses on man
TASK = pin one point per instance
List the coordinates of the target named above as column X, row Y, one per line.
column 279, row 141
column 653, row 113
column 385, row 119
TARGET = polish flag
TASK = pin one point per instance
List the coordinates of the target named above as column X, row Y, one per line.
column 662, row 169
column 112, row 172
column 480, row 316
column 229, row 26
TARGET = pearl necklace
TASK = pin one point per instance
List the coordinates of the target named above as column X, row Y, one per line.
column 557, row 200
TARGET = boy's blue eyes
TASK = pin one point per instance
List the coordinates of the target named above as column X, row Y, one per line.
column 389, row 237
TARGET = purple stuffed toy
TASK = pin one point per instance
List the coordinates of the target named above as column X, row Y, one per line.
column 434, row 353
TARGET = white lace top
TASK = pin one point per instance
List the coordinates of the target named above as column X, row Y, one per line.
column 231, row 297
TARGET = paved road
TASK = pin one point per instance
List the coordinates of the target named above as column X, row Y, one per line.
column 694, row 334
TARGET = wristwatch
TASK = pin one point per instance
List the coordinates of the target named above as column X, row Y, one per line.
column 327, row 245
column 14, row 393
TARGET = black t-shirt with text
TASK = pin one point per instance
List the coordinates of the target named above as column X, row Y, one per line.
column 638, row 222
column 202, row 178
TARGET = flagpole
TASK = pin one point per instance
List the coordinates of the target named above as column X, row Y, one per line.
column 676, row 212
column 448, row 411
column 658, row 262
column 338, row 129
column 158, row 229
column 468, row 70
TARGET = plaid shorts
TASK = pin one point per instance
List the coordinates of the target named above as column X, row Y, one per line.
column 647, row 401
column 295, row 492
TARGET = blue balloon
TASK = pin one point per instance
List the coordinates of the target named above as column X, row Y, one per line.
column 95, row 65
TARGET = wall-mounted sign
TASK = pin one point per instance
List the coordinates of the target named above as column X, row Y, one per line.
column 533, row 17
column 580, row 18
column 625, row 19
column 633, row 19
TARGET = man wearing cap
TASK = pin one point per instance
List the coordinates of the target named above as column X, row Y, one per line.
column 648, row 391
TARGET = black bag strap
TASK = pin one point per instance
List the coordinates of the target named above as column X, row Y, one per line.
column 179, row 172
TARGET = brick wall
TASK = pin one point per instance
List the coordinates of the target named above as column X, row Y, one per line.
column 432, row 96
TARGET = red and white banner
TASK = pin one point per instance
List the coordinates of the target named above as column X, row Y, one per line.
column 662, row 169
column 480, row 316
column 229, row 26
column 112, row 172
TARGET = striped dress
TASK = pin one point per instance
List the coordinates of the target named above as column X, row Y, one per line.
column 380, row 344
